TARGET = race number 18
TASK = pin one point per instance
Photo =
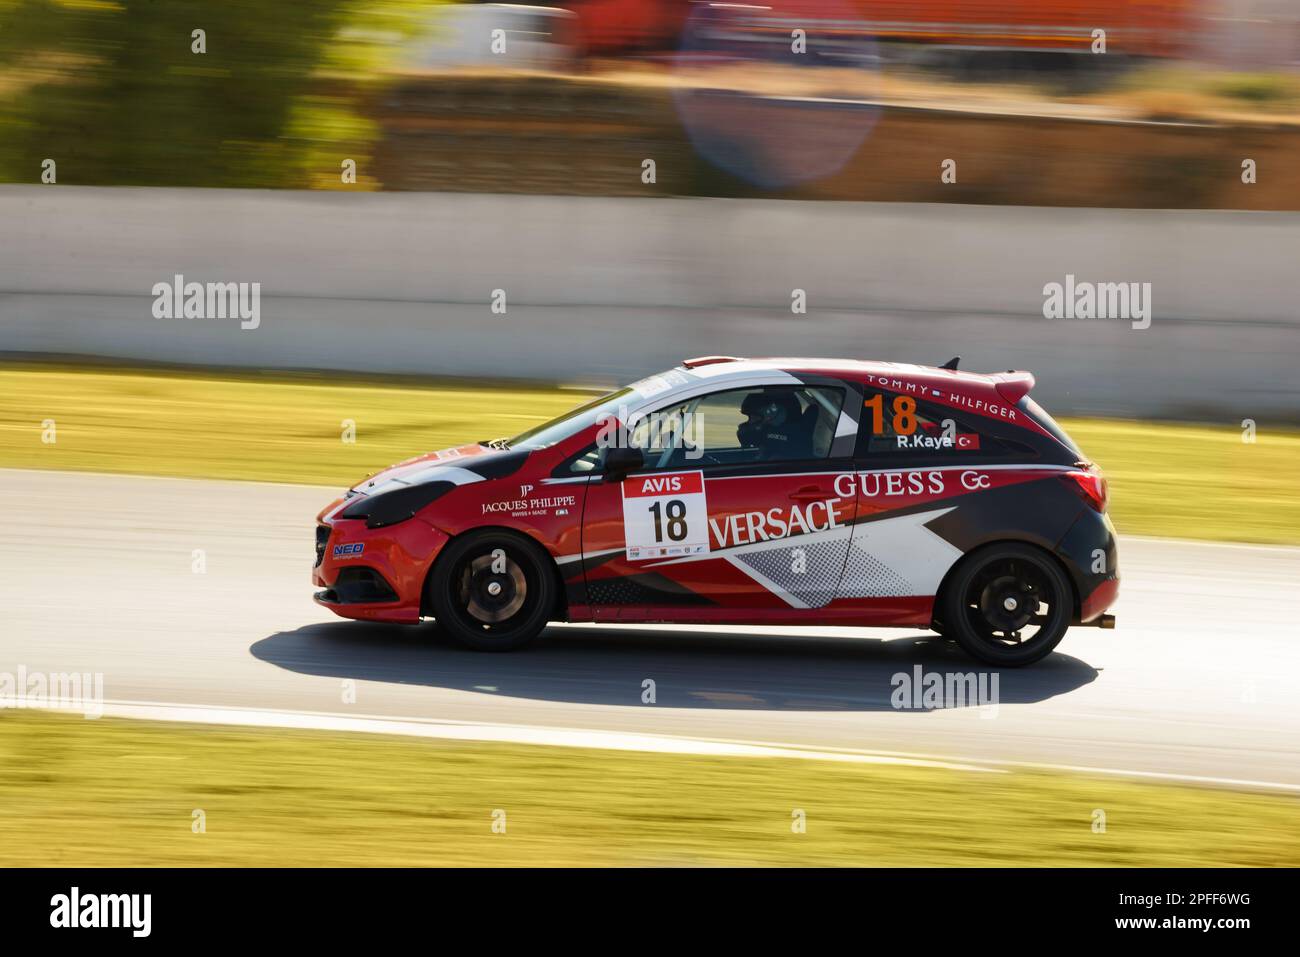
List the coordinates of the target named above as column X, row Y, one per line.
column 665, row 515
column 904, row 420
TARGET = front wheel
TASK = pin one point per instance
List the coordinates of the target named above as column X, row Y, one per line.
column 1008, row 605
column 492, row 591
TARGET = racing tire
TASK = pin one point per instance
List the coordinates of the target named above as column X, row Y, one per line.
column 996, row 594
column 492, row 590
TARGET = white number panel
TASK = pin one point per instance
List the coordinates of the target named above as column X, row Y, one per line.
column 665, row 516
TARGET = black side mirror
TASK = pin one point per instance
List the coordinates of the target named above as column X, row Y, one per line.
column 620, row 461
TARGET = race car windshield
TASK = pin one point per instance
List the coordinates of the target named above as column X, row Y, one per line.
column 561, row 428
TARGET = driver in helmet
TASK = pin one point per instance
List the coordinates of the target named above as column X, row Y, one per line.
column 774, row 425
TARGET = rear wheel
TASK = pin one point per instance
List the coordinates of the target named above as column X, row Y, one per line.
column 492, row 591
column 1008, row 605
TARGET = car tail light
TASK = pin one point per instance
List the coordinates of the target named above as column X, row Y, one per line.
column 1091, row 486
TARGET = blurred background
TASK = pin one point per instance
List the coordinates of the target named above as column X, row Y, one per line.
column 725, row 96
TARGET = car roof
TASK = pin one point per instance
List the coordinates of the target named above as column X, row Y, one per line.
column 1010, row 386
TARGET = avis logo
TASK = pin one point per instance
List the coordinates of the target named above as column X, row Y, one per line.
column 349, row 549
column 671, row 483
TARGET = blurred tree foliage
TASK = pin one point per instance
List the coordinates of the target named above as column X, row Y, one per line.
column 113, row 91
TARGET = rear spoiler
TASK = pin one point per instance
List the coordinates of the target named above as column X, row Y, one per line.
column 708, row 361
column 1013, row 386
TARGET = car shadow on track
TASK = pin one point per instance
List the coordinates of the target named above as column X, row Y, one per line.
column 608, row 665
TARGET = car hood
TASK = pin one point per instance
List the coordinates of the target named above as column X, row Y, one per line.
column 460, row 466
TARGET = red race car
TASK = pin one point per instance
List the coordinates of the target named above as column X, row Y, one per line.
column 746, row 491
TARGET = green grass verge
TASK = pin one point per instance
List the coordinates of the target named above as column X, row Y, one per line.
column 1191, row 481
column 115, row 793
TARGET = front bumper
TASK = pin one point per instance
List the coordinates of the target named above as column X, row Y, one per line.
column 374, row 574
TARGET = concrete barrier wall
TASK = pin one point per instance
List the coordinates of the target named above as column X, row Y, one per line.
column 612, row 288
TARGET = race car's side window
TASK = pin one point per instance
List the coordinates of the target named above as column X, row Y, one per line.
column 900, row 427
column 586, row 461
column 742, row 426
column 776, row 423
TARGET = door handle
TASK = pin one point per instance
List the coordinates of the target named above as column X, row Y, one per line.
column 809, row 493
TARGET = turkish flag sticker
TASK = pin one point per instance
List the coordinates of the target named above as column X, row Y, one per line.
column 968, row 441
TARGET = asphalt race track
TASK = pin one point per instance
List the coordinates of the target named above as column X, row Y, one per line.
column 1199, row 679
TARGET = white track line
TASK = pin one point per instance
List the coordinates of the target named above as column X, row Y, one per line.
column 505, row 733
column 620, row 741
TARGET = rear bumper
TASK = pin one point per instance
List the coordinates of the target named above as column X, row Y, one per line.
column 1102, row 597
column 1089, row 551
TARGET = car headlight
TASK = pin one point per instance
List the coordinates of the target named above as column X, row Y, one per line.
column 389, row 508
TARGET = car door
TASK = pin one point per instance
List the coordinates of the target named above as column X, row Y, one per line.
column 733, row 514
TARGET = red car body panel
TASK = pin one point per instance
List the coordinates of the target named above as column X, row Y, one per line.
column 1099, row 599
